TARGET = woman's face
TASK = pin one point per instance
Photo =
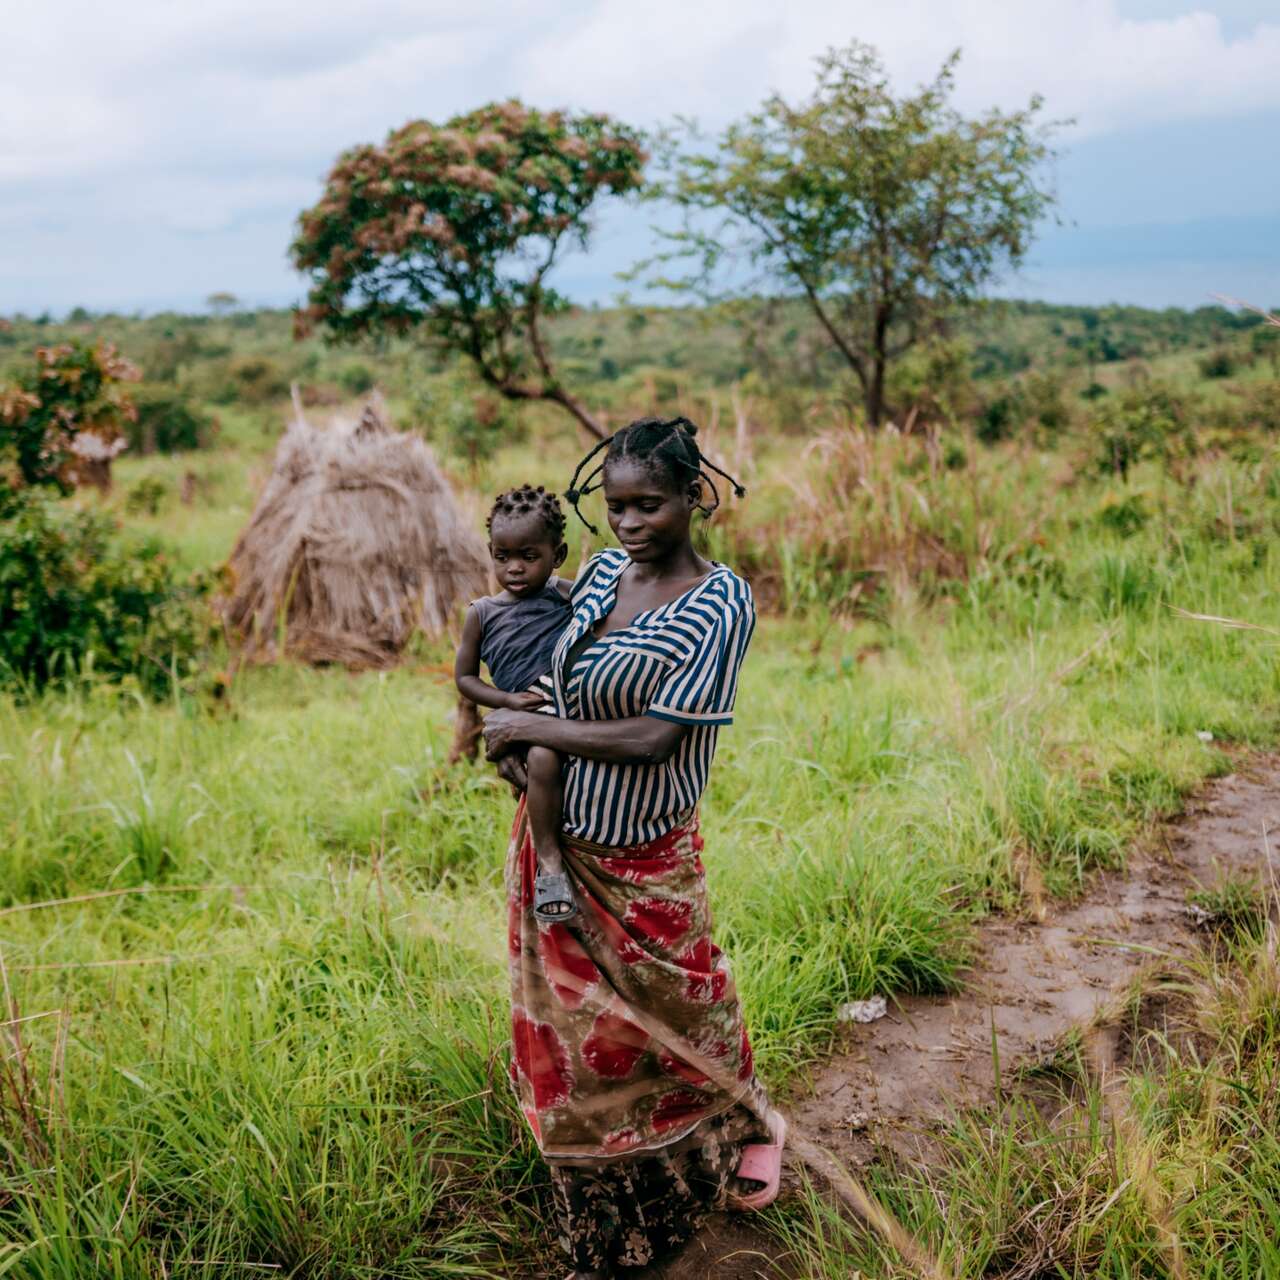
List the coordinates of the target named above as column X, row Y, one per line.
column 648, row 513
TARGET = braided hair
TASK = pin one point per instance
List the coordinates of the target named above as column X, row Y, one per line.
column 664, row 445
column 526, row 500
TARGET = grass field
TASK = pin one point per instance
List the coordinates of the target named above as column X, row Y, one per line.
column 252, row 948
column 256, row 949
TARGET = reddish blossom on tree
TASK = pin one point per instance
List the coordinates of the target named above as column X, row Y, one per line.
column 453, row 228
column 62, row 422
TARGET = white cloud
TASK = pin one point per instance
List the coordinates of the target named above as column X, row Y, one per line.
column 198, row 117
column 1087, row 60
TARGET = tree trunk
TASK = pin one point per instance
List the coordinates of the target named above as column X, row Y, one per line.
column 879, row 358
column 466, row 731
column 875, row 392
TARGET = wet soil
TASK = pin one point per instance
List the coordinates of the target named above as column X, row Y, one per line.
column 892, row 1083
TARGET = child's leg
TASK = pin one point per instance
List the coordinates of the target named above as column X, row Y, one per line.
column 546, row 806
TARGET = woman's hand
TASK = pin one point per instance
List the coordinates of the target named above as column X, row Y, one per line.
column 504, row 730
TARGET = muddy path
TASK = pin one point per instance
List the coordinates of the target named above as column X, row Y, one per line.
column 892, row 1082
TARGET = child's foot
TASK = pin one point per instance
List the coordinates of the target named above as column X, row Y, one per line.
column 553, row 898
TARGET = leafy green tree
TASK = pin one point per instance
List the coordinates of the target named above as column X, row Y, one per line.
column 64, row 420
column 1148, row 421
column 454, row 228
column 884, row 212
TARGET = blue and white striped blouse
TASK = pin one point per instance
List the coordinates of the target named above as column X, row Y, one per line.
column 678, row 662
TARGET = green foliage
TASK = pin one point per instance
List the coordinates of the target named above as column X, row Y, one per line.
column 76, row 599
column 454, row 228
column 932, row 383
column 357, row 379
column 998, row 419
column 1146, row 421
column 246, row 379
column 67, row 410
column 884, row 212
column 147, row 496
column 471, row 424
column 1035, row 404
column 1126, row 516
column 1219, row 363
column 168, row 421
column 1258, row 407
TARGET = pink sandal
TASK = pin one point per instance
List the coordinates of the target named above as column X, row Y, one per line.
column 761, row 1162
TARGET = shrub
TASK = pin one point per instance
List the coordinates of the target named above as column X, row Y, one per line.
column 1045, row 405
column 74, row 597
column 932, row 384
column 1125, row 516
column 167, row 421
column 357, row 379
column 1147, row 421
column 250, row 380
column 470, row 424
column 1219, row 363
column 998, row 420
column 147, row 496
column 1259, row 406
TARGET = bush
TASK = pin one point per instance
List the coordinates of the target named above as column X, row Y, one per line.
column 147, row 496
column 1219, row 363
column 1045, row 405
column 250, row 380
column 357, row 379
column 1259, row 406
column 1147, row 421
column 470, row 424
column 167, row 421
column 998, row 420
column 75, row 598
column 1125, row 516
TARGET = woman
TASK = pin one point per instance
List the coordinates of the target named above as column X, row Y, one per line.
column 630, row 1056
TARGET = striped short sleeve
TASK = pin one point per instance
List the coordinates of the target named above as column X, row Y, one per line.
column 700, row 688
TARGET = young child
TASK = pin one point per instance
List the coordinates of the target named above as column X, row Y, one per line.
column 514, row 634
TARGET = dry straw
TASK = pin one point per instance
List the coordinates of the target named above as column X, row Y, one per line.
column 356, row 542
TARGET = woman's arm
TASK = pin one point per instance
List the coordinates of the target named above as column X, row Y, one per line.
column 635, row 740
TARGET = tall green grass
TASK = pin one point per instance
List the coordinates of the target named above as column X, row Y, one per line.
column 280, row 1042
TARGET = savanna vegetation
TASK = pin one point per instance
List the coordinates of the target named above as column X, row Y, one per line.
column 251, row 940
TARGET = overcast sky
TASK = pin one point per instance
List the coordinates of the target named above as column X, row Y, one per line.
column 154, row 152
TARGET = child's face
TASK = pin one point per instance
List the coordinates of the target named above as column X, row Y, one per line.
column 524, row 557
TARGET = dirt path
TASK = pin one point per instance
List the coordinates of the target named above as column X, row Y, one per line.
column 893, row 1081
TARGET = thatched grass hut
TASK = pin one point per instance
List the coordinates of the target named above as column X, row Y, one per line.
column 356, row 542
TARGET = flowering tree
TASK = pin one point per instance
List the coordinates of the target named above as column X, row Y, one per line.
column 453, row 229
column 61, row 423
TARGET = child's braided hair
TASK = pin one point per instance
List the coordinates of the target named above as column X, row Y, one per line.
column 524, row 500
column 664, row 445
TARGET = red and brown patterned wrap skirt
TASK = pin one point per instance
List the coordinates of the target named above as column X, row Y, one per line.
column 630, row 1057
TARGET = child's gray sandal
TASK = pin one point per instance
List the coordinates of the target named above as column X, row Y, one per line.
column 553, row 891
